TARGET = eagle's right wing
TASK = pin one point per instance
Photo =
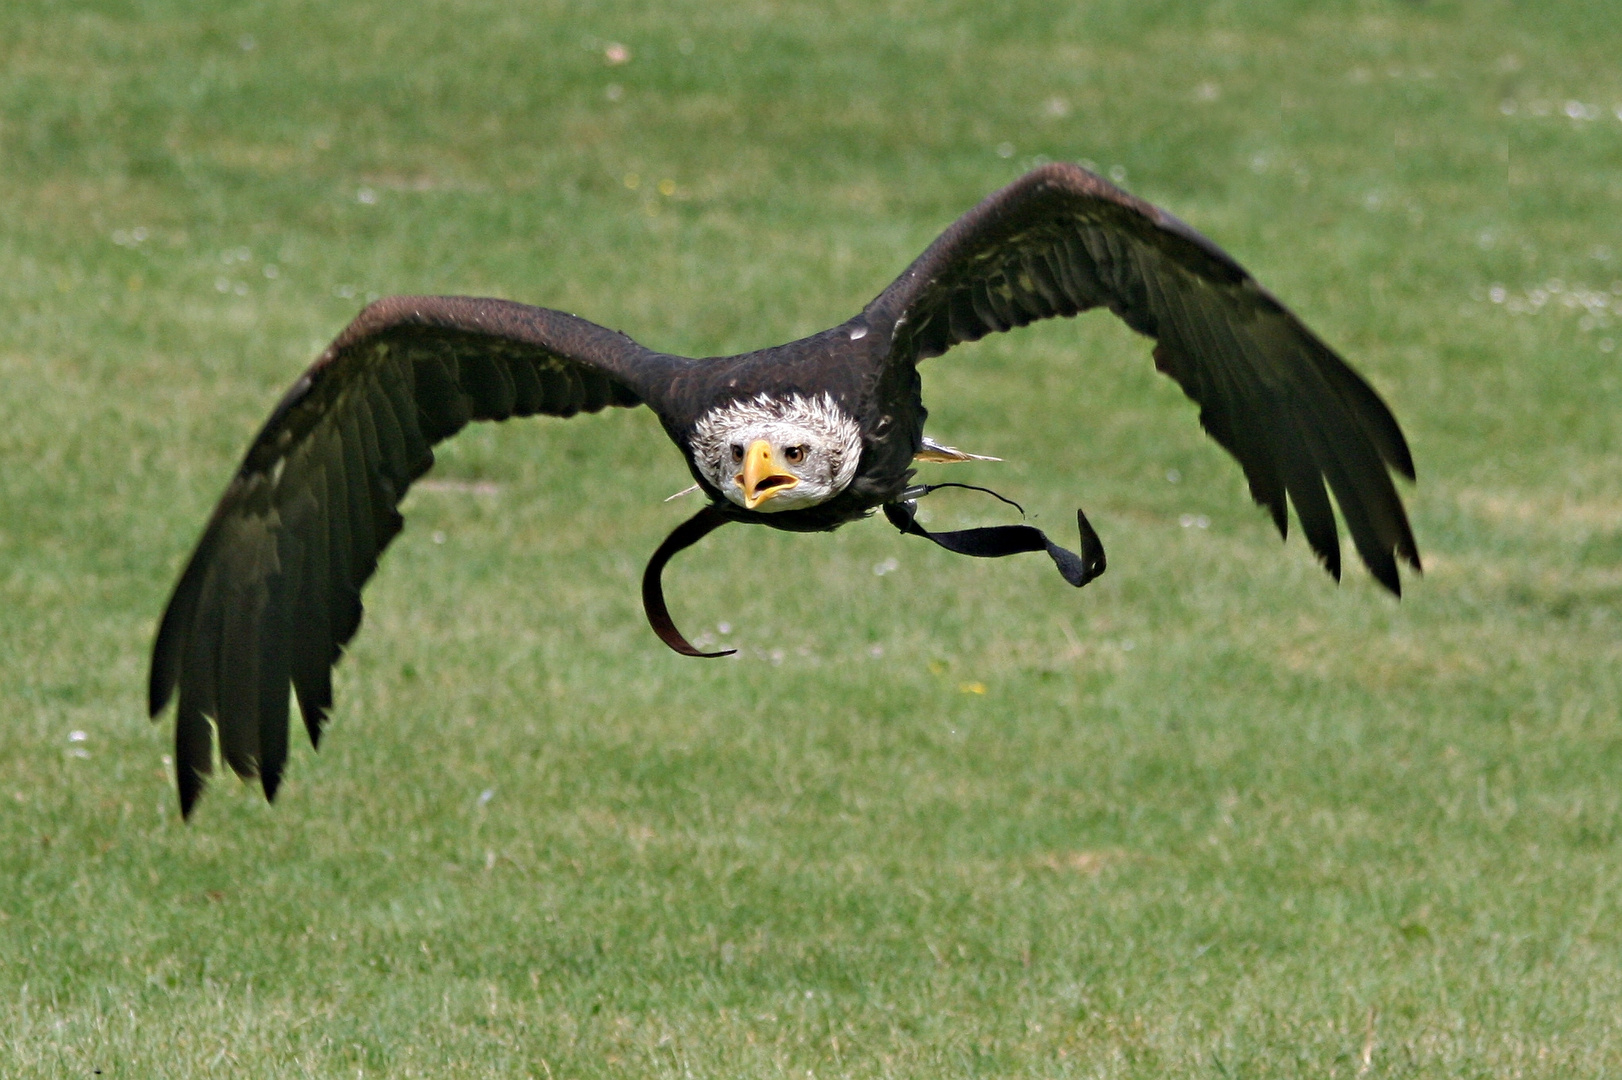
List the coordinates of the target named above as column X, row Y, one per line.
column 272, row 592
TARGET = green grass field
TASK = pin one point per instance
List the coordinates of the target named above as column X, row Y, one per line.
column 1211, row 816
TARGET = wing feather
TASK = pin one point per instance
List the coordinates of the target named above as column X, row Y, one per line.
column 194, row 746
column 1061, row 241
column 275, row 643
column 343, row 616
column 361, row 535
column 239, row 654
column 272, row 592
column 198, row 655
column 443, row 407
column 571, row 392
column 1221, row 384
column 529, row 394
column 394, row 460
column 312, row 647
column 488, row 385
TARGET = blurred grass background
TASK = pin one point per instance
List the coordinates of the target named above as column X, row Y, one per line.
column 1211, row 816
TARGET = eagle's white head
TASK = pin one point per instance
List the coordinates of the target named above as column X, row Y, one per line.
column 772, row 454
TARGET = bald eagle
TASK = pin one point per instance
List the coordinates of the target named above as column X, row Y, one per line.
column 805, row 436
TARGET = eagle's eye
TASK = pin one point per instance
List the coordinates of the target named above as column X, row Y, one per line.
column 737, row 451
column 794, row 453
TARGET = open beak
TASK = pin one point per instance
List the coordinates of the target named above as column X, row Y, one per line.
column 763, row 475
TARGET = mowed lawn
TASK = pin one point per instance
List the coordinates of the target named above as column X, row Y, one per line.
column 1211, row 816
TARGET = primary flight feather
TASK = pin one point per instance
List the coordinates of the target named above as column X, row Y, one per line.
column 804, row 436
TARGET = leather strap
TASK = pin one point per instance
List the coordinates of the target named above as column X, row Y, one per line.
column 995, row 541
column 686, row 535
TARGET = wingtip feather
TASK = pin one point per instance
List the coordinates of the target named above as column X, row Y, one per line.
column 189, row 784
column 270, row 780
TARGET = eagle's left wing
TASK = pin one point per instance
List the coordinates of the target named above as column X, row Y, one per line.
column 1061, row 240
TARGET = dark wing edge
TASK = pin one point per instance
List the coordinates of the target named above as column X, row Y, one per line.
column 1062, row 240
column 272, row 592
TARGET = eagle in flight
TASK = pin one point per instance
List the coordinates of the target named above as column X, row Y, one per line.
column 804, row 436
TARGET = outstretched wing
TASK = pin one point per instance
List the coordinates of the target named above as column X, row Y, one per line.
column 273, row 590
column 1061, row 240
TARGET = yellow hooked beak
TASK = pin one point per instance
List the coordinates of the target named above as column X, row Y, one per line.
column 763, row 475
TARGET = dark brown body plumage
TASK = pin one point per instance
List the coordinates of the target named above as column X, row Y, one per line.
column 272, row 592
